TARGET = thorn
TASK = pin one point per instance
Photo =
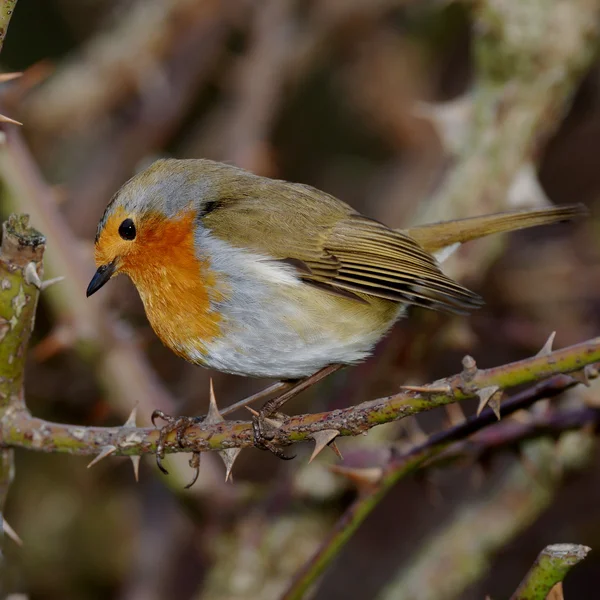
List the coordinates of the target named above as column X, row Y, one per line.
column 11, row 533
column 581, row 376
column 336, row 450
column 322, row 439
column 5, row 119
column 31, row 276
column 50, row 282
column 106, row 451
column 213, row 415
column 229, row 457
column 253, row 412
column 131, row 419
column 361, row 478
column 135, row 461
column 489, row 396
column 274, row 421
column 547, row 347
column 494, row 404
column 4, row 77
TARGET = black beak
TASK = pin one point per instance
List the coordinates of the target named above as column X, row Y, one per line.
column 103, row 274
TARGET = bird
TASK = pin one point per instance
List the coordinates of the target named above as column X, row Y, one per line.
column 262, row 277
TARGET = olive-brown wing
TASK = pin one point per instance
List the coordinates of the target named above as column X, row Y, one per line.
column 364, row 256
column 331, row 246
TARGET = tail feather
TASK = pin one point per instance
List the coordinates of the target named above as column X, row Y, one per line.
column 437, row 236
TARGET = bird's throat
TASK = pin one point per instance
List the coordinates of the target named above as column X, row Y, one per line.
column 178, row 289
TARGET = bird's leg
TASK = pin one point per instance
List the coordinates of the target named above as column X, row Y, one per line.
column 177, row 424
column 181, row 424
column 280, row 386
column 260, row 427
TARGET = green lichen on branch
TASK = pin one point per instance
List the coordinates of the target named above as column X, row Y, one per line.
column 550, row 568
column 21, row 255
column 7, row 8
column 20, row 429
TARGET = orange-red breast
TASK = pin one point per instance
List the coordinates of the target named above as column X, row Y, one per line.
column 261, row 277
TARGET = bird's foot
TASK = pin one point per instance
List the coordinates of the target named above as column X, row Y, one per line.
column 263, row 432
column 180, row 425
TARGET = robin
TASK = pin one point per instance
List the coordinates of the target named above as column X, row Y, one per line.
column 267, row 278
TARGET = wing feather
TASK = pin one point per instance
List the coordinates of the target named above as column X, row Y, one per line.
column 380, row 262
column 333, row 247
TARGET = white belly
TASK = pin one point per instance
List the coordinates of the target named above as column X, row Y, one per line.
column 274, row 325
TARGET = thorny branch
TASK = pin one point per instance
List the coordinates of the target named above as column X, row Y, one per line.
column 20, row 428
column 506, row 432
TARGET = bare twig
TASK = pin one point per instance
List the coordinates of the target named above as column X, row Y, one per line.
column 117, row 63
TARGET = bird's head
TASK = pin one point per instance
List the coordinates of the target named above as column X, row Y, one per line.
column 151, row 221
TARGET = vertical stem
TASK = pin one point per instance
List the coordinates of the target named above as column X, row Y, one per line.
column 21, row 254
column 21, row 269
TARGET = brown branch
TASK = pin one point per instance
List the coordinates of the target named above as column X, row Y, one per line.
column 128, row 55
column 21, row 429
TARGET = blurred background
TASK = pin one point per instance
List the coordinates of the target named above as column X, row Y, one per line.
column 342, row 95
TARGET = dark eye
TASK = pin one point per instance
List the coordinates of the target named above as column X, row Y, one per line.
column 127, row 230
